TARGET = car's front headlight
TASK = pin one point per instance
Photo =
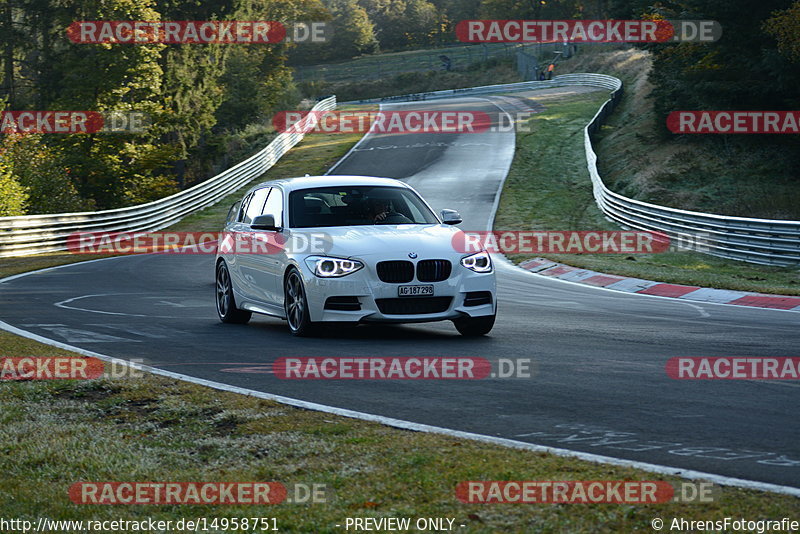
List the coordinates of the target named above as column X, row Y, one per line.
column 479, row 262
column 326, row 267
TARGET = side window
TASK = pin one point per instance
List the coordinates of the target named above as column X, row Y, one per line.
column 243, row 207
column 255, row 205
column 233, row 212
column 274, row 206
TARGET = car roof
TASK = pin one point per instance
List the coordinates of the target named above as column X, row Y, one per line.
column 292, row 184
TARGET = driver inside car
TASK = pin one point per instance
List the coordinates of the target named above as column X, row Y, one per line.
column 379, row 211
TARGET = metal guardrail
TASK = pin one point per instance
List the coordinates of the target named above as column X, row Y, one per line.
column 596, row 80
column 762, row 241
column 32, row 234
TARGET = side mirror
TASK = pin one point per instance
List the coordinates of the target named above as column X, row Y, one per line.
column 264, row 222
column 451, row 217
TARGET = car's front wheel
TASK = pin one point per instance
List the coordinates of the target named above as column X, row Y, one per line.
column 474, row 326
column 295, row 305
column 226, row 303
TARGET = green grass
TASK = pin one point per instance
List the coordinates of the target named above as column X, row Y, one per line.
column 418, row 71
column 391, row 63
column 494, row 71
column 53, row 434
column 548, row 188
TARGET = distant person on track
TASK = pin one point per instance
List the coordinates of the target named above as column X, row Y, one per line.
column 550, row 69
column 447, row 63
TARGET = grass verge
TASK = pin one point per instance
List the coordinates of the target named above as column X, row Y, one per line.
column 388, row 64
column 548, row 188
column 56, row 433
column 741, row 175
column 490, row 72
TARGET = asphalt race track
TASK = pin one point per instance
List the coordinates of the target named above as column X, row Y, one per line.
column 599, row 383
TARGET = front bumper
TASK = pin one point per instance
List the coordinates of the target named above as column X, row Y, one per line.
column 370, row 292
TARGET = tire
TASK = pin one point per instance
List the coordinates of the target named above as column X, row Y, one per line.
column 474, row 326
column 226, row 302
column 295, row 305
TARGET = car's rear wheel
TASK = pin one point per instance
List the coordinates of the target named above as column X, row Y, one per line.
column 226, row 302
column 295, row 305
column 474, row 326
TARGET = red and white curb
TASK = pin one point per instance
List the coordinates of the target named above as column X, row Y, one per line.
column 648, row 287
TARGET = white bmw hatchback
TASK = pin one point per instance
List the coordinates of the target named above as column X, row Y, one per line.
column 349, row 249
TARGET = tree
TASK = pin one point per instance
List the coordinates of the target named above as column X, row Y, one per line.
column 387, row 16
column 13, row 197
column 353, row 32
column 423, row 23
column 743, row 70
column 191, row 92
column 40, row 172
column 545, row 9
column 403, row 23
column 62, row 75
column 510, row 9
column 254, row 83
column 785, row 27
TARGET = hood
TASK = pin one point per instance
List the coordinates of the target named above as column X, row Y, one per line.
column 388, row 241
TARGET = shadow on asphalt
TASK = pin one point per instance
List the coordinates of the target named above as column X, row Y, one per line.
column 278, row 330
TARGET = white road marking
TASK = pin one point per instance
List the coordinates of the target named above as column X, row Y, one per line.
column 168, row 303
column 592, row 436
column 130, row 330
column 75, row 335
column 703, row 313
column 64, row 304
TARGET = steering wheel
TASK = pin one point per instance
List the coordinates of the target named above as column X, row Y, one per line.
column 389, row 215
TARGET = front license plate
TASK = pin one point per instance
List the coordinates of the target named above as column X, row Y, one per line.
column 415, row 291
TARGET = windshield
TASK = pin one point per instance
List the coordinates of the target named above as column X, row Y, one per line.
column 356, row 206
